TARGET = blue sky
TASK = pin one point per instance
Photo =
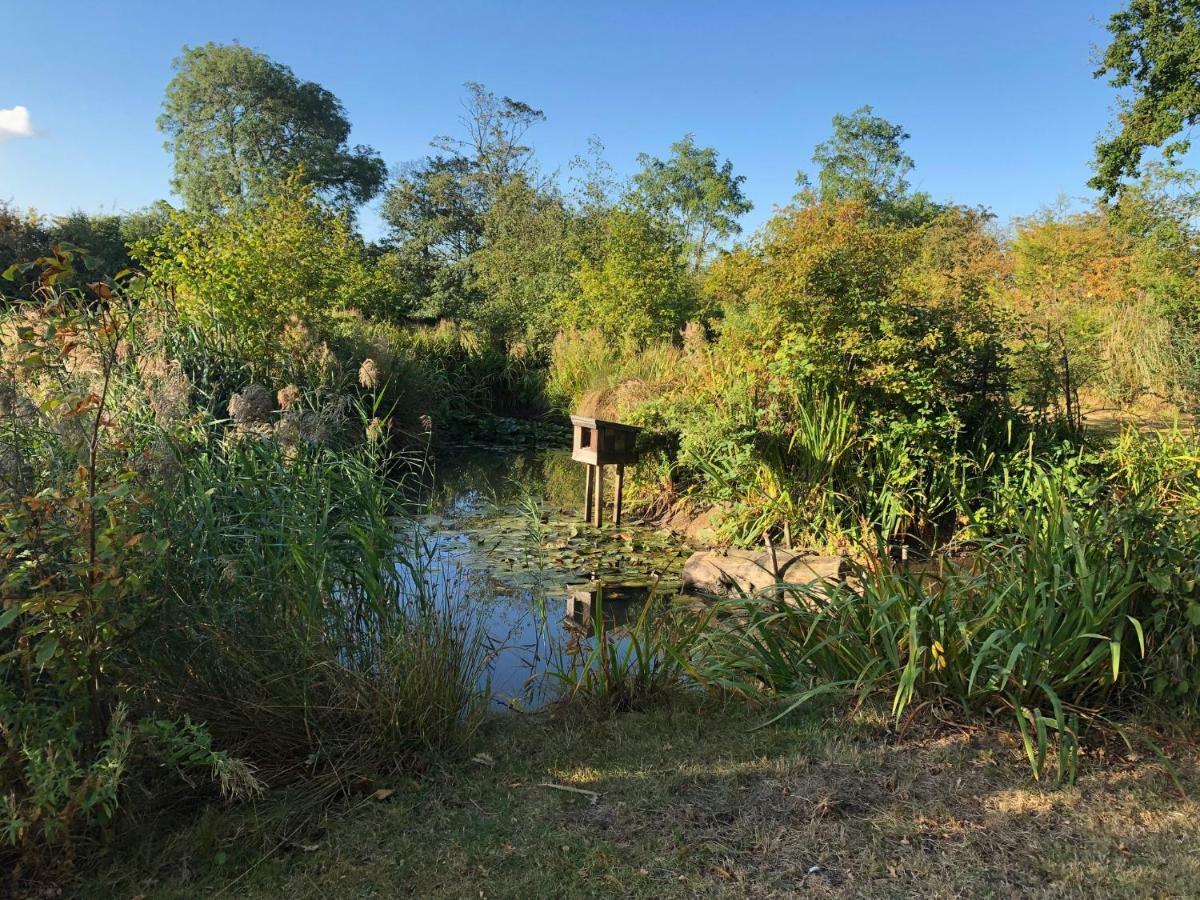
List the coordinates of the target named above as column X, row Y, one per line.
column 999, row 97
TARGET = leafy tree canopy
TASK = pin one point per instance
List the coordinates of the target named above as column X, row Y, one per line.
column 864, row 162
column 694, row 193
column 639, row 289
column 105, row 240
column 526, row 264
column 237, row 123
column 1155, row 54
column 493, row 131
column 897, row 318
column 435, row 204
column 438, row 201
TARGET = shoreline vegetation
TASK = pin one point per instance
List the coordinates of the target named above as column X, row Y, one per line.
column 229, row 662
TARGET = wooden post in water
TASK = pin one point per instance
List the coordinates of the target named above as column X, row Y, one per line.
column 598, row 518
column 588, row 493
column 620, row 491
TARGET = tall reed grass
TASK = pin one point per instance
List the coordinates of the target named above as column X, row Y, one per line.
column 302, row 625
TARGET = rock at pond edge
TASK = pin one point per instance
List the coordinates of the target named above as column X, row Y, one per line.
column 729, row 572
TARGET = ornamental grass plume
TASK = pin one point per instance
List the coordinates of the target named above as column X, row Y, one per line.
column 327, row 362
column 288, row 396
column 368, row 374
column 375, row 430
column 154, row 365
column 252, row 404
column 296, row 335
column 289, row 431
column 167, row 387
column 170, row 397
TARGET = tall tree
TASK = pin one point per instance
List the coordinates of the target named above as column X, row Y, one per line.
column 1155, row 54
column 436, row 204
column 694, row 193
column 251, row 271
column 524, row 269
column 433, row 211
column 238, row 123
column 494, row 128
column 638, row 289
column 864, row 161
column 436, row 208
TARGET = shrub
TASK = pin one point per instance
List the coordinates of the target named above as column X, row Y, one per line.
column 1155, row 480
column 839, row 329
column 638, row 290
column 159, row 570
column 76, row 555
column 898, row 319
column 449, row 375
column 252, row 271
column 1110, row 295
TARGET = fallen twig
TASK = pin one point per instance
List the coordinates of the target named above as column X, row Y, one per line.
column 592, row 796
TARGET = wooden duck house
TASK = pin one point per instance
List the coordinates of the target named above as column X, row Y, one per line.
column 598, row 443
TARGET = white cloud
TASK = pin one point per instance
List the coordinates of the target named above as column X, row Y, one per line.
column 15, row 123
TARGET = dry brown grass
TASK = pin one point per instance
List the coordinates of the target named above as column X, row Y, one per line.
column 1149, row 413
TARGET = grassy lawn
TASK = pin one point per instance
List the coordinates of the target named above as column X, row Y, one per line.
column 689, row 802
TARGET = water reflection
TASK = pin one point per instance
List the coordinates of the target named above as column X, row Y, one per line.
column 510, row 529
column 617, row 605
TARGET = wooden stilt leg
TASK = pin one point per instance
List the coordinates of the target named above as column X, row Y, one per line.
column 589, row 488
column 598, row 516
column 620, row 491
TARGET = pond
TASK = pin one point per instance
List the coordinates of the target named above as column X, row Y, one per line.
column 508, row 530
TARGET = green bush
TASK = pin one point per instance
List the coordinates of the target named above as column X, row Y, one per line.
column 900, row 320
column 638, row 290
column 254, row 271
column 77, row 553
column 1155, row 480
column 1072, row 598
column 446, row 376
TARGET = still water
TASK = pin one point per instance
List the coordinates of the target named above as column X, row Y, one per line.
column 506, row 530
